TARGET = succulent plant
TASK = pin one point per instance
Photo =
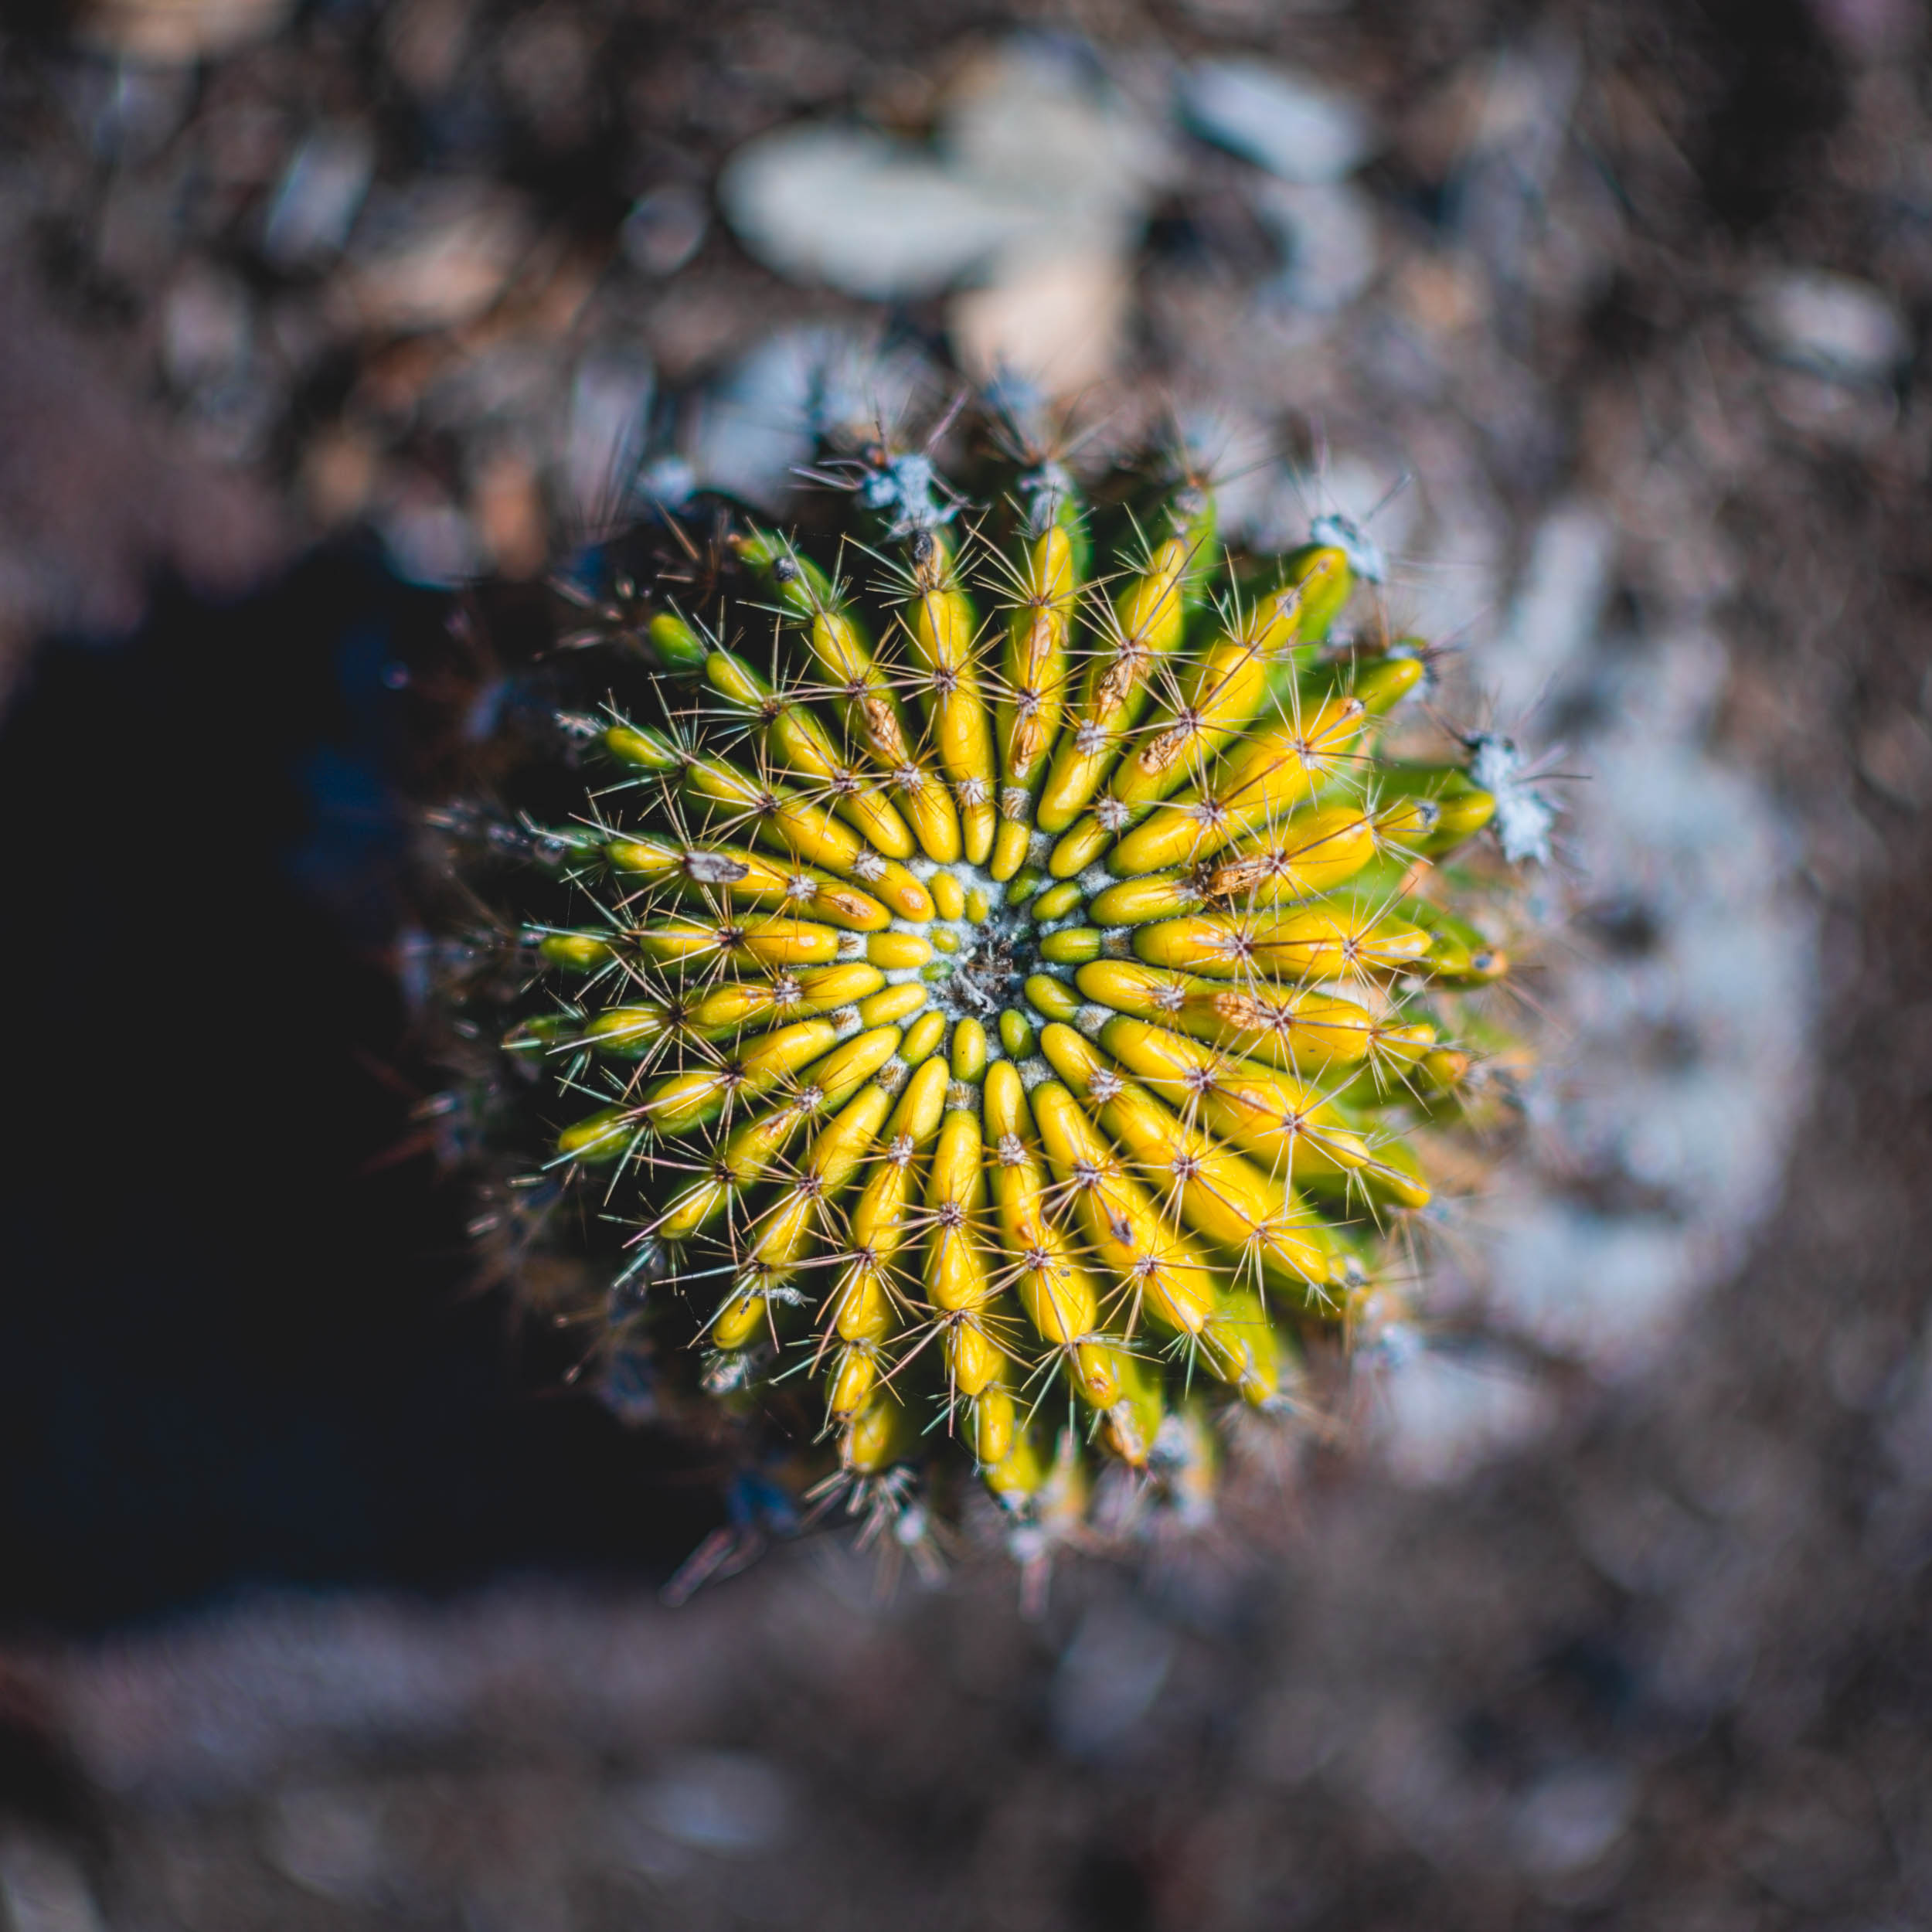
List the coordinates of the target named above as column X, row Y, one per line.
column 987, row 1002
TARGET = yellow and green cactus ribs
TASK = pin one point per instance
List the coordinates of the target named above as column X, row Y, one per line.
column 999, row 994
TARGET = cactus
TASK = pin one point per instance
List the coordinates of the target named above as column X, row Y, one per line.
column 986, row 999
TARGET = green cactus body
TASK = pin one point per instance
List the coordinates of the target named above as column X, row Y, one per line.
column 992, row 1014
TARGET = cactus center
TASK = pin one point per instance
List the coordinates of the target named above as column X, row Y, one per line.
column 985, row 978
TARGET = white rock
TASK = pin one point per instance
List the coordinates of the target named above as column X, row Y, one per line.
column 1287, row 122
column 1728, row 969
column 1828, row 324
column 1588, row 1286
column 871, row 216
column 1033, row 190
column 1036, row 128
column 1439, row 1414
column 1330, row 237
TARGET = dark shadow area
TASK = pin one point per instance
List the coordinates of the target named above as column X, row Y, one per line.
column 235, row 1340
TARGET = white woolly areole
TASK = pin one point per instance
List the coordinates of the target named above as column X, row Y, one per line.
column 1034, row 1070
column 1366, row 556
column 1524, row 818
column 1044, row 488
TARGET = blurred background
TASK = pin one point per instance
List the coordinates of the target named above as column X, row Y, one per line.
column 324, row 1600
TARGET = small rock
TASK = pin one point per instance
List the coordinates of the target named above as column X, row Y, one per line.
column 725, row 1802
column 319, row 196
column 338, row 473
column 665, row 229
column 430, row 540
column 1832, row 326
column 439, row 256
column 42, row 1889
column 330, row 1841
column 205, row 328
column 1571, row 1818
column 176, row 33
column 1058, row 322
column 544, row 59
column 140, row 113
column 1287, row 122
column 1895, row 756
column 425, row 41
column 1445, row 293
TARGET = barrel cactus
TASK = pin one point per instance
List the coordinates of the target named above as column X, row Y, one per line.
column 964, row 992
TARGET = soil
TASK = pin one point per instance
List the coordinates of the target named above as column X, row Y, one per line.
column 319, row 1615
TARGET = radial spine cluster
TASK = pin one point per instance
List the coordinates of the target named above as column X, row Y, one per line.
column 994, row 1003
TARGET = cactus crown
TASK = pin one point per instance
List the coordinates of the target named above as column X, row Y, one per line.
column 985, row 998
